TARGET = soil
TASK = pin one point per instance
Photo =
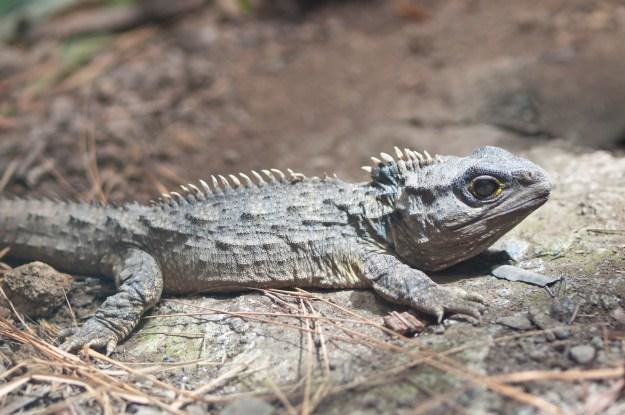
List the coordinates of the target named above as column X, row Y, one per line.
column 127, row 116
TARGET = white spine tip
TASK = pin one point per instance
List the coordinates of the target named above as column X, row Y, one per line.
column 247, row 180
column 279, row 173
column 268, row 174
column 178, row 196
column 368, row 169
column 387, row 157
column 224, row 182
column 376, row 160
column 198, row 192
column 398, row 152
column 216, row 185
column 235, row 180
column 260, row 179
column 206, row 187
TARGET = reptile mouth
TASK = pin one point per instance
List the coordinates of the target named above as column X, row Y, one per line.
column 524, row 208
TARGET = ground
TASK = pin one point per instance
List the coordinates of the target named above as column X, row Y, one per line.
column 125, row 116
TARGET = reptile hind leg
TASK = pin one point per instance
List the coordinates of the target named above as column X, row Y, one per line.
column 140, row 284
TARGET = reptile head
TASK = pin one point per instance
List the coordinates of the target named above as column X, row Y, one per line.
column 449, row 209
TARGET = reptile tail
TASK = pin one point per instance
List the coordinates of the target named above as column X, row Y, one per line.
column 62, row 234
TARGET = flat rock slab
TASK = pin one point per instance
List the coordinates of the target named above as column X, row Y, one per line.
column 512, row 273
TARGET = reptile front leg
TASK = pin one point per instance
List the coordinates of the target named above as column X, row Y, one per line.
column 140, row 284
column 399, row 283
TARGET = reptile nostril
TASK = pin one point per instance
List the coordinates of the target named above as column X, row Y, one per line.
column 529, row 177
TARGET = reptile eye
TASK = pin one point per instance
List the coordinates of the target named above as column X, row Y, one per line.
column 484, row 187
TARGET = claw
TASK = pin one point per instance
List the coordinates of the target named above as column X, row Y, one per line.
column 65, row 333
column 110, row 346
column 69, row 345
column 452, row 300
column 477, row 298
column 92, row 334
column 465, row 309
column 439, row 312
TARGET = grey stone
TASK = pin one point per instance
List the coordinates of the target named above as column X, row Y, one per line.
column 597, row 342
column 564, row 309
column 513, row 273
column 516, row 249
column 582, row 353
column 517, row 322
column 248, row 406
column 545, row 322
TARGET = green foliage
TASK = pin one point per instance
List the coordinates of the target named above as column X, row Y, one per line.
column 6, row 6
column 118, row 2
column 246, row 6
column 79, row 50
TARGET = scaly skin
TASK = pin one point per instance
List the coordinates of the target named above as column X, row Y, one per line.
column 416, row 214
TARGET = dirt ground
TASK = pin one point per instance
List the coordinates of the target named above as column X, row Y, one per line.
column 127, row 115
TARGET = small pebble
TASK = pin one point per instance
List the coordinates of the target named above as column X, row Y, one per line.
column 564, row 309
column 248, row 406
column 438, row 329
column 546, row 322
column 609, row 302
column 582, row 353
column 597, row 342
column 516, row 249
column 618, row 314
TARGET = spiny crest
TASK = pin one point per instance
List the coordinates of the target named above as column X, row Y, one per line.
column 221, row 185
column 389, row 171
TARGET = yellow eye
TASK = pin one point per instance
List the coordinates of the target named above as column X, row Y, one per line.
column 485, row 187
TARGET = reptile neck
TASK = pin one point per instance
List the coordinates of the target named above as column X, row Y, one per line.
column 374, row 213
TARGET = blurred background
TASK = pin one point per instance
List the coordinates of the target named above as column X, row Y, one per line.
column 123, row 99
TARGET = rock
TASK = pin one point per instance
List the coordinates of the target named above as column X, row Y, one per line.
column 582, row 353
column 564, row 309
column 248, row 406
column 546, row 322
column 5, row 312
column 516, row 249
column 618, row 314
column 36, row 289
column 146, row 410
column 609, row 302
column 438, row 329
column 597, row 342
column 512, row 273
column 517, row 322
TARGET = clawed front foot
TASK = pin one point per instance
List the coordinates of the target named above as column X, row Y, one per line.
column 439, row 300
column 92, row 334
column 399, row 283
